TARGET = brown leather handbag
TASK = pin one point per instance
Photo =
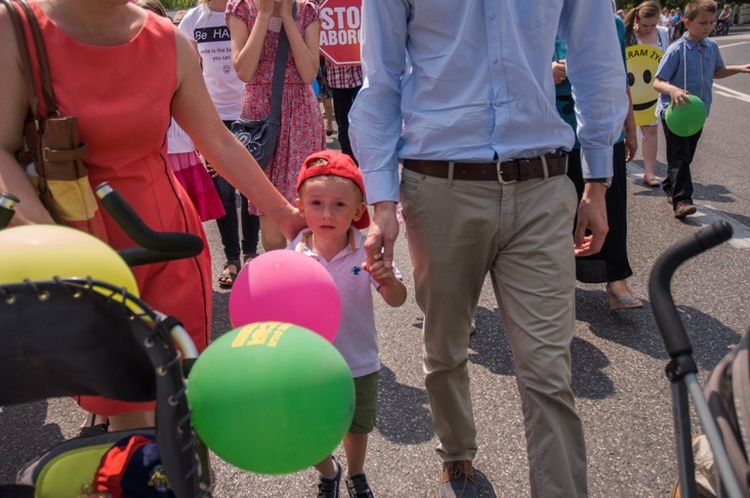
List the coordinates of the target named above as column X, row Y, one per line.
column 51, row 141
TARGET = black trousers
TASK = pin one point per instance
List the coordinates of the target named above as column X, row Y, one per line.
column 229, row 225
column 680, row 152
column 343, row 98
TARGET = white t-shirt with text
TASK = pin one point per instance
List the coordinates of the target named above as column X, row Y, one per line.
column 209, row 31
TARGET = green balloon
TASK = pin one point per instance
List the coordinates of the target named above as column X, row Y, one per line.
column 271, row 397
column 688, row 121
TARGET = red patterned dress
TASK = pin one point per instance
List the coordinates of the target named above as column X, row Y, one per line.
column 122, row 96
column 302, row 130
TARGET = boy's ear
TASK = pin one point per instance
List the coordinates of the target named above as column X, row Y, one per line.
column 359, row 212
column 300, row 206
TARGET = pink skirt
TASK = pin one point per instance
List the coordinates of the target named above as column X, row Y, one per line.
column 192, row 175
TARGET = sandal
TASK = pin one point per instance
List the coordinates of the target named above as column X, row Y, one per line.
column 246, row 258
column 653, row 182
column 227, row 276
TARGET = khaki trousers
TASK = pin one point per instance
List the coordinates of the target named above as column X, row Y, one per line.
column 521, row 234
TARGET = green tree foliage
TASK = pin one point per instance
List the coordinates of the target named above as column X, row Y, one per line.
column 178, row 4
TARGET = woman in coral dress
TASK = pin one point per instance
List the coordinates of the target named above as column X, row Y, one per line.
column 255, row 27
column 123, row 71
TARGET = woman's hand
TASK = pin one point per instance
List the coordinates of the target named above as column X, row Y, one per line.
column 559, row 72
column 265, row 7
column 286, row 8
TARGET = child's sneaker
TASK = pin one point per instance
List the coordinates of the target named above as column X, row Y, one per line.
column 329, row 488
column 683, row 208
column 358, row 487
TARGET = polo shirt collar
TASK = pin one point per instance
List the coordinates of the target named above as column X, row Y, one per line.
column 354, row 242
column 692, row 44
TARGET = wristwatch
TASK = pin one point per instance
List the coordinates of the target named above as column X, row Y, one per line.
column 607, row 182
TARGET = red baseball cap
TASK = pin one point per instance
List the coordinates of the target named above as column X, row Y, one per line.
column 339, row 164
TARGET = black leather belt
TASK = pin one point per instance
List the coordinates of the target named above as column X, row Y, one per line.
column 516, row 170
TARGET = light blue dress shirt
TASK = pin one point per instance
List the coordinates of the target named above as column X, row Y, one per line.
column 703, row 60
column 472, row 82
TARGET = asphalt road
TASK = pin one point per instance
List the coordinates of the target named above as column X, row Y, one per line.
column 618, row 357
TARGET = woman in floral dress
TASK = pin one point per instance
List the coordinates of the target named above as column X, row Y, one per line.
column 255, row 27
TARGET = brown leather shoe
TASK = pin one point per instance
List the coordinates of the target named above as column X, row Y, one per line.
column 458, row 480
column 683, row 208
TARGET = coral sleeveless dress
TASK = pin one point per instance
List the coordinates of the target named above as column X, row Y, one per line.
column 122, row 96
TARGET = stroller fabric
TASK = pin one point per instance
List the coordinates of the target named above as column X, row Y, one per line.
column 728, row 396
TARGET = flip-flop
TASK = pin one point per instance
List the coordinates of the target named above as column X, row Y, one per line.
column 227, row 277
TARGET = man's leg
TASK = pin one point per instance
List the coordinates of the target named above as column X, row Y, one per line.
column 451, row 239
column 534, row 280
column 343, row 99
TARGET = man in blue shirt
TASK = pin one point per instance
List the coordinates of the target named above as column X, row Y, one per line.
column 461, row 93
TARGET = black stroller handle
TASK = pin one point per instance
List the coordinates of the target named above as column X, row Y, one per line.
column 156, row 247
column 665, row 312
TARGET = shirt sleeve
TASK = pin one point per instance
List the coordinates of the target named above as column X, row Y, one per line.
column 310, row 13
column 598, row 84
column 669, row 62
column 718, row 60
column 375, row 117
column 187, row 25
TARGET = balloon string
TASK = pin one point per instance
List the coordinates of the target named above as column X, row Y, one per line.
column 684, row 65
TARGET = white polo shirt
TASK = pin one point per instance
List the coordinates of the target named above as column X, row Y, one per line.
column 357, row 338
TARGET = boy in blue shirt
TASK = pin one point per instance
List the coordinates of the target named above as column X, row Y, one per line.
column 688, row 68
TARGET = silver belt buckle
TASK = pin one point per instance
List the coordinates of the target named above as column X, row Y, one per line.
column 500, row 175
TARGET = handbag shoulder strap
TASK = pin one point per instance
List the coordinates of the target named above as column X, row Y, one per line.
column 279, row 69
column 41, row 54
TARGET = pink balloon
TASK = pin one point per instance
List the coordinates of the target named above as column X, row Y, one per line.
column 286, row 286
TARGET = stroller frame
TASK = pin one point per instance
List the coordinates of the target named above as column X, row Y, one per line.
column 69, row 337
column 135, row 360
column 682, row 370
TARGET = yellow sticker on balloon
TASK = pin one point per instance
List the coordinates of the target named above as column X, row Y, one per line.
column 643, row 61
column 264, row 333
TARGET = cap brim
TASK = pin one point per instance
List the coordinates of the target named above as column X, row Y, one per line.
column 363, row 221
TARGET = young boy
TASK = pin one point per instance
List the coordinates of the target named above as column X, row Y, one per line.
column 701, row 56
column 331, row 198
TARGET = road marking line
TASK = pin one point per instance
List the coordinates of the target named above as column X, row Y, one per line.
column 740, row 233
column 706, row 214
column 734, row 44
column 728, row 92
